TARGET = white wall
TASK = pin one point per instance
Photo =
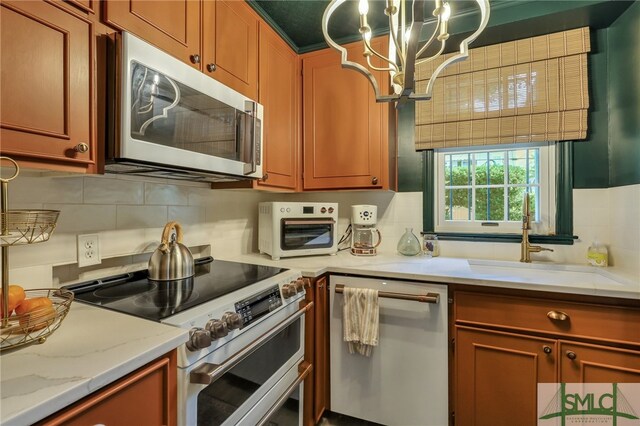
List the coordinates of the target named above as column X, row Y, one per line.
column 129, row 213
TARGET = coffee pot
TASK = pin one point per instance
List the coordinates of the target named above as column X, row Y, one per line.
column 365, row 237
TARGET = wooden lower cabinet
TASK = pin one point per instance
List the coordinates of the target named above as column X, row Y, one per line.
column 147, row 396
column 317, row 388
column 496, row 376
column 585, row 363
column 506, row 345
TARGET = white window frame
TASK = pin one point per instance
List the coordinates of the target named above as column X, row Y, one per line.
column 547, row 173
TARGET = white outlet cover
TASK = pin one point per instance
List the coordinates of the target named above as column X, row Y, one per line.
column 89, row 250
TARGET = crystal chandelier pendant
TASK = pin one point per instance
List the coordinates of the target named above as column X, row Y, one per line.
column 406, row 50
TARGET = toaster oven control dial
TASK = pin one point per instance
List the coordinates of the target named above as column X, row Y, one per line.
column 216, row 328
column 198, row 339
column 288, row 290
column 233, row 320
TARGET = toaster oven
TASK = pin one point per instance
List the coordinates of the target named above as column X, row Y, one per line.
column 297, row 229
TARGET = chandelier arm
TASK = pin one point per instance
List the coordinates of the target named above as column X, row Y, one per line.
column 417, row 21
column 373, row 67
column 384, row 58
column 464, row 45
column 333, row 5
column 394, row 36
column 435, row 55
column 428, row 42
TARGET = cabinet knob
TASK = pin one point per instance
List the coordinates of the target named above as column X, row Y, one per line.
column 557, row 316
column 81, row 147
column 571, row 355
column 547, row 349
column 374, row 180
column 265, row 176
column 211, row 67
column 195, row 58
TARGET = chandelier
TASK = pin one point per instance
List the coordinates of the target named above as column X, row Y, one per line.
column 406, row 20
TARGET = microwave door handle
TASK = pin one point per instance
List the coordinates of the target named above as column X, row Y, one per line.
column 208, row 373
column 251, row 135
column 309, row 221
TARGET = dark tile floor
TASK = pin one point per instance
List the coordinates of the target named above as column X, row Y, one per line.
column 335, row 419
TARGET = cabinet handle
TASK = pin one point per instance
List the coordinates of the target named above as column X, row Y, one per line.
column 195, row 58
column 374, row 180
column 81, row 147
column 571, row 355
column 557, row 315
column 211, row 67
column 547, row 349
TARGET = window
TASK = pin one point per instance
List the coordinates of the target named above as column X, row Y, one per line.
column 482, row 190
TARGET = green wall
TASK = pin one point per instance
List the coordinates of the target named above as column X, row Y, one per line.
column 624, row 98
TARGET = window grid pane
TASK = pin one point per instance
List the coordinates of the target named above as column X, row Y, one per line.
column 490, row 185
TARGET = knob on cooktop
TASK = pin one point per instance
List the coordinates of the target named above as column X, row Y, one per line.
column 289, row 290
column 198, row 339
column 233, row 320
column 299, row 284
column 216, row 328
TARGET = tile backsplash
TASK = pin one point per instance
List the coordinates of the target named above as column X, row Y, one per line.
column 129, row 213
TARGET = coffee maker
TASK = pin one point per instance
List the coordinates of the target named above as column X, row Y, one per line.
column 364, row 235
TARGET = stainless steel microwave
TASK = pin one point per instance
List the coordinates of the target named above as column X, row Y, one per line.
column 297, row 229
column 169, row 120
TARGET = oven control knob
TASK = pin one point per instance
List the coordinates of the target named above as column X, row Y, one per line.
column 288, row 290
column 216, row 328
column 198, row 339
column 299, row 285
column 233, row 320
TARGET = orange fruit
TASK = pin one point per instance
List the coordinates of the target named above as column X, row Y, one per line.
column 29, row 305
column 16, row 296
column 36, row 313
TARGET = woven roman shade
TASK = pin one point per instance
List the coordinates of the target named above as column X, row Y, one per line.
column 527, row 90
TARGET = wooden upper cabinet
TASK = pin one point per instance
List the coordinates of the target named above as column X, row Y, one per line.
column 279, row 93
column 345, row 134
column 230, row 45
column 46, row 84
column 173, row 26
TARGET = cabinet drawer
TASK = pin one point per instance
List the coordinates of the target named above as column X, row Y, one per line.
column 607, row 323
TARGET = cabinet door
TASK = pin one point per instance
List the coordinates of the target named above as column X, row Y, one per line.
column 230, row 45
column 309, row 355
column 145, row 397
column 46, row 83
column 173, row 26
column 496, row 376
column 584, row 363
column 321, row 371
column 345, row 130
column 279, row 82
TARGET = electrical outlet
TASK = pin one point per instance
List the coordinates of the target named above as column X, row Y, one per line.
column 88, row 250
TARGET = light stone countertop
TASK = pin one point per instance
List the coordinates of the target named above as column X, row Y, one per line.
column 95, row 346
column 92, row 348
column 550, row 277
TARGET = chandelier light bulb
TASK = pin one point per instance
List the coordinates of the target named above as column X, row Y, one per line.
column 363, row 7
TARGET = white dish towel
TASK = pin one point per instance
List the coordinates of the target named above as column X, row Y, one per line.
column 361, row 318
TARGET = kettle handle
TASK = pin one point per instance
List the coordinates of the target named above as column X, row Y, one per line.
column 166, row 233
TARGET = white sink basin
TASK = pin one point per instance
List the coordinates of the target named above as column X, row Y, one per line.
column 544, row 273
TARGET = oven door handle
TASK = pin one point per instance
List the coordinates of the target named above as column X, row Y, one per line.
column 304, row 368
column 309, row 221
column 208, row 373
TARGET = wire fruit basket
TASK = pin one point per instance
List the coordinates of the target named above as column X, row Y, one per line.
column 47, row 307
column 39, row 323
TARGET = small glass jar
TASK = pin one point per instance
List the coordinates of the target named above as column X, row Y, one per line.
column 430, row 247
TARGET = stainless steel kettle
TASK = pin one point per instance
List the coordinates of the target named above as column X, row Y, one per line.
column 172, row 260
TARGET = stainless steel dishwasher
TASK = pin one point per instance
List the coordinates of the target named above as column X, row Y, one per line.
column 405, row 381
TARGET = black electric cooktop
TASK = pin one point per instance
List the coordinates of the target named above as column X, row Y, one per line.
column 133, row 293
